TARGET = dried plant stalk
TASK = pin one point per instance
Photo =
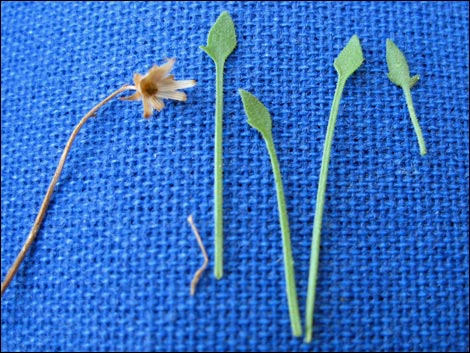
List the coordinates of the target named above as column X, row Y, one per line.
column 42, row 211
column 198, row 274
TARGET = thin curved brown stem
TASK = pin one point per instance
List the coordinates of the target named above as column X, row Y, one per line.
column 198, row 274
column 42, row 211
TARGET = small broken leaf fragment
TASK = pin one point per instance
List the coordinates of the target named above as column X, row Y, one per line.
column 399, row 74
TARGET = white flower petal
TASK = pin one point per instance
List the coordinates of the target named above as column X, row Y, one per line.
column 148, row 109
column 174, row 85
column 157, row 104
column 175, row 95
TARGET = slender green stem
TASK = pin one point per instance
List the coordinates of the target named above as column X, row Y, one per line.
column 286, row 243
column 414, row 120
column 218, row 172
column 315, row 251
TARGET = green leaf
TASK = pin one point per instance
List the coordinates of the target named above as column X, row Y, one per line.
column 350, row 58
column 221, row 42
column 399, row 74
column 345, row 64
column 222, row 39
column 398, row 70
column 258, row 115
column 260, row 119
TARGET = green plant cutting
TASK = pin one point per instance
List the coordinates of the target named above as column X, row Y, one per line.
column 260, row 119
column 221, row 42
column 347, row 62
column 399, row 74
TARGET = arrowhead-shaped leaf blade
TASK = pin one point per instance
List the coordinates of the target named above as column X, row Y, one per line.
column 350, row 58
column 257, row 114
column 398, row 70
column 222, row 38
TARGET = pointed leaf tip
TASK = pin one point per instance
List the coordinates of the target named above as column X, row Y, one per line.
column 350, row 58
column 398, row 70
column 222, row 38
column 257, row 114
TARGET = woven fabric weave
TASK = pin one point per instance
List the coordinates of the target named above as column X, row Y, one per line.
column 111, row 266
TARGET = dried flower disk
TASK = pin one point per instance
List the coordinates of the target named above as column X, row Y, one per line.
column 157, row 85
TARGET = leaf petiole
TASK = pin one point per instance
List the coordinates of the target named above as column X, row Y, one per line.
column 218, row 171
column 414, row 121
column 319, row 206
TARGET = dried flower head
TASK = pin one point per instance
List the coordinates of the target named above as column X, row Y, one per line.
column 157, row 84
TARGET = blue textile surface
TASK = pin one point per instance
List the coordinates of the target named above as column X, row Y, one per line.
column 111, row 266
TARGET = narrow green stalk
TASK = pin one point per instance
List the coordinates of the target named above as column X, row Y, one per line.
column 221, row 42
column 347, row 62
column 260, row 119
column 218, row 172
column 414, row 120
column 315, row 251
column 286, row 244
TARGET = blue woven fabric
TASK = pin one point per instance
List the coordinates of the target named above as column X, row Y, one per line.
column 111, row 266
